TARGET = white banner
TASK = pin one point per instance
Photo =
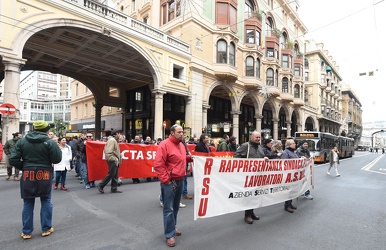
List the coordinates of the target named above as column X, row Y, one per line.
column 227, row 185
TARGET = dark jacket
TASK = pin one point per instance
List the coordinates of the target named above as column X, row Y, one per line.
column 9, row 145
column 302, row 152
column 35, row 154
column 80, row 150
column 232, row 147
column 255, row 150
column 268, row 153
column 201, row 147
column 36, row 149
column 222, row 145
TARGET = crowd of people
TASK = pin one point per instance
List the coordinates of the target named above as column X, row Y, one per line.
column 172, row 165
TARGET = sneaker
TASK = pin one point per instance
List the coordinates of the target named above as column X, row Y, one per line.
column 56, row 186
column 26, row 236
column 309, row 197
column 44, row 234
column 100, row 189
column 63, row 187
column 337, row 175
column 81, row 181
column 328, row 172
column 182, row 205
column 92, row 184
column 7, row 177
column 16, row 179
column 87, row 186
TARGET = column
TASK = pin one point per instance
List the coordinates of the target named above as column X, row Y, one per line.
column 235, row 125
column 288, row 129
column 258, row 122
column 11, row 95
column 205, row 108
column 188, row 112
column 98, row 120
column 275, row 129
column 159, row 113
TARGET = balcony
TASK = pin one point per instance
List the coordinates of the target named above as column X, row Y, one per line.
column 332, row 93
column 225, row 72
column 273, row 91
column 298, row 102
column 323, row 85
column 286, row 97
column 336, row 96
column 252, row 83
column 328, row 89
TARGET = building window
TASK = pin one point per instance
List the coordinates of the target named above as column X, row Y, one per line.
column 248, row 9
column 226, row 13
column 297, row 91
column 178, row 73
column 284, row 85
column 305, row 96
column 270, row 52
column 285, row 61
column 250, row 37
column 270, row 77
column 297, row 70
column 232, row 54
column 258, row 68
column 221, row 51
column 277, row 78
column 306, row 76
column 249, row 66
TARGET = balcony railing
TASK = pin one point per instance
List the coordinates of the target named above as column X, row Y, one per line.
column 120, row 18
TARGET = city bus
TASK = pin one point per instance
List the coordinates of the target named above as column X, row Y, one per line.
column 319, row 144
column 346, row 146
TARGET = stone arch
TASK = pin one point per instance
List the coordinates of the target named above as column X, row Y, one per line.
column 311, row 120
column 226, row 86
column 28, row 31
column 253, row 97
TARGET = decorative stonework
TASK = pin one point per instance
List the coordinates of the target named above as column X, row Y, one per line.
column 23, row 9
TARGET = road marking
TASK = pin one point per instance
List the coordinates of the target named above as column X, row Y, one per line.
column 371, row 164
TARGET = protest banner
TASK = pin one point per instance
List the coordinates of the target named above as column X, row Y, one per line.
column 226, row 185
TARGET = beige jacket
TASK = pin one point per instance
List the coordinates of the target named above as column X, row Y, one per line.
column 112, row 151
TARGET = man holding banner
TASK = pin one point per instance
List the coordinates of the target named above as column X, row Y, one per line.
column 251, row 149
column 170, row 166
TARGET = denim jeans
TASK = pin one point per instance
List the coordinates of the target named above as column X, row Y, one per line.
column 45, row 214
column 185, row 188
column 171, row 198
column 83, row 171
column 61, row 176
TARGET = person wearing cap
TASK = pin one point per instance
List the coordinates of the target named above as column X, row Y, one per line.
column 34, row 155
column 289, row 153
column 303, row 151
column 7, row 150
column 114, row 159
column 251, row 149
column 267, row 149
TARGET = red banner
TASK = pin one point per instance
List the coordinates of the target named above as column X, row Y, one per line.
column 137, row 160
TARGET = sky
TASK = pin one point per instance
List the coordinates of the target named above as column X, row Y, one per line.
column 354, row 33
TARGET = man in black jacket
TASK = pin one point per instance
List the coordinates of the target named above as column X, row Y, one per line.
column 303, row 151
column 202, row 145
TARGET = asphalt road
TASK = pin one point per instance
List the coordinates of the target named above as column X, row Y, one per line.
column 348, row 212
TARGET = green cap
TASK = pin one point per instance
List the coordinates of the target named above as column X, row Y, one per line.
column 40, row 125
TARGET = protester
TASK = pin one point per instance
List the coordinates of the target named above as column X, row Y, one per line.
column 114, row 159
column 170, row 166
column 267, row 149
column 137, row 140
column 188, row 164
column 277, row 147
column 303, row 151
column 7, row 151
column 334, row 161
column 64, row 165
column 251, row 149
column 80, row 151
column 289, row 153
column 202, row 145
column 223, row 143
column 34, row 155
column 232, row 146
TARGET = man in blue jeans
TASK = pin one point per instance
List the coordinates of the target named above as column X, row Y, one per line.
column 303, row 151
column 34, row 155
column 170, row 166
